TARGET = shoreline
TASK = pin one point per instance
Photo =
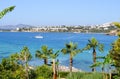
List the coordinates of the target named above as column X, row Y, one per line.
column 56, row 32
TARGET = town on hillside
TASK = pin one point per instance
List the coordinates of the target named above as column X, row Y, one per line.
column 107, row 28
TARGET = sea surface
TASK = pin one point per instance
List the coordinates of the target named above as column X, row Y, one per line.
column 12, row 42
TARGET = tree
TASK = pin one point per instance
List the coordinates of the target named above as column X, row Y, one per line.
column 54, row 56
column 117, row 24
column 115, row 54
column 44, row 53
column 94, row 44
column 115, row 51
column 107, row 62
column 6, row 10
column 72, row 49
column 23, row 57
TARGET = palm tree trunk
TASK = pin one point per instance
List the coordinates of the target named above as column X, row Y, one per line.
column 94, row 59
column 103, row 69
column 110, row 72
column 45, row 61
column 71, row 63
column 103, row 72
column 26, row 68
column 54, row 70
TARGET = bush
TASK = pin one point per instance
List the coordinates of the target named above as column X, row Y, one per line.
column 63, row 74
column 44, row 72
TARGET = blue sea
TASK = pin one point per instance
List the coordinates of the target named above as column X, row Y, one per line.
column 12, row 42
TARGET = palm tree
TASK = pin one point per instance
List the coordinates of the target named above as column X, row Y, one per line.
column 44, row 53
column 93, row 44
column 71, row 48
column 54, row 56
column 106, row 62
column 6, row 10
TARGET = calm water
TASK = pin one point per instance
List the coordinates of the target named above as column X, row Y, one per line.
column 12, row 42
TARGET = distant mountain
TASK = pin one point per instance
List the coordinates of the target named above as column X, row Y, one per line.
column 12, row 27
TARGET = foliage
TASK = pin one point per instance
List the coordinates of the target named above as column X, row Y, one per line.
column 10, row 69
column 54, row 55
column 44, row 71
column 107, row 62
column 6, row 10
column 24, row 56
column 115, row 54
column 82, row 75
column 72, row 49
column 63, row 74
column 117, row 24
column 94, row 44
column 44, row 53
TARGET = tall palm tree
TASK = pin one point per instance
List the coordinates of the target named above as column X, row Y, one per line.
column 72, row 49
column 94, row 44
column 54, row 56
column 6, row 10
column 44, row 53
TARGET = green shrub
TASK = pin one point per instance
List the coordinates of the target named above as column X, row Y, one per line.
column 44, row 71
column 63, row 74
column 39, row 77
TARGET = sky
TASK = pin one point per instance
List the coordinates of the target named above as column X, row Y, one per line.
column 61, row 12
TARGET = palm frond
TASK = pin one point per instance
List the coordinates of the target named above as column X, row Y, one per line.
column 54, row 55
column 6, row 10
column 88, row 47
column 38, row 53
column 96, row 64
column 73, row 53
column 44, row 49
column 64, row 51
column 100, row 57
column 101, row 47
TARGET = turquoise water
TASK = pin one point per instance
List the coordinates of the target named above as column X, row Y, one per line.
column 12, row 42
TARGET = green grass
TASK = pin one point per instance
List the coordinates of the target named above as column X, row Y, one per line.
column 82, row 75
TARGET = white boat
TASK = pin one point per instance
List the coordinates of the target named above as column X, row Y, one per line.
column 38, row 36
column 76, row 32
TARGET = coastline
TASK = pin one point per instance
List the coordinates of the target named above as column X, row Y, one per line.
column 57, row 32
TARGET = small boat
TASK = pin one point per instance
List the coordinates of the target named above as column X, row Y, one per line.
column 76, row 32
column 38, row 36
